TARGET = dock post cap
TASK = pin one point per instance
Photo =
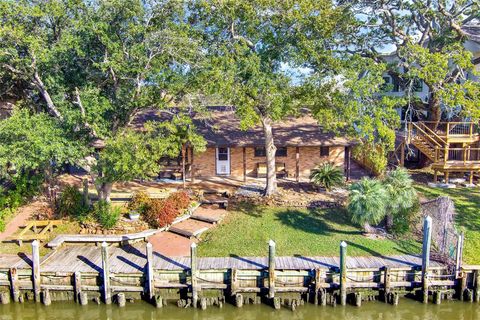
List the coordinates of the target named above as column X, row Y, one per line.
column 35, row 243
column 428, row 218
column 149, row 245
column 271, row 243
column 343, row 244
column 193, row 245
column 104, row 244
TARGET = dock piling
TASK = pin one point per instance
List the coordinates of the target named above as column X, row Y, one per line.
column 427, row 238
column 13, row 275
column 107, row 294
column 36, row 269
column 193, row 271
column 77, row 283
column 150, row 279
column 476, row 275
column 271, row 269
column 343, row 273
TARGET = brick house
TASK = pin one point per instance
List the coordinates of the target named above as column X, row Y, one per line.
column 238, row 154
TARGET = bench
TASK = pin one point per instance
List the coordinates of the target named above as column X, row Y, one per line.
column 280, row 170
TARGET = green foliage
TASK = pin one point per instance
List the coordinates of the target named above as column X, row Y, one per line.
column 128, row 155
column 372, row 156
column 367, row 201
column 402, row 195
column 139, row 202
column 106, row 214
column 405, row 218
column 370, row 200
column 34, row 142
column 71, row 203
column 24, row 187
column 327, row 175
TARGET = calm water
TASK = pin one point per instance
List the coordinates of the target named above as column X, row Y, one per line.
column 407, row 309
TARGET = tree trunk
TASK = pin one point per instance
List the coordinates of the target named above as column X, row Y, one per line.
column 367, row 228
column 434, row 108
column 104, row 190
column 270, row 150
column 52, row 109
column 389, row 222
column 183, row 166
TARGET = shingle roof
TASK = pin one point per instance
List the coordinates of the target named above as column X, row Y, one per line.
column 473, row 31
column 222, row 128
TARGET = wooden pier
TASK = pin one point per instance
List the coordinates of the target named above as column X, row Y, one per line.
column 120, row 272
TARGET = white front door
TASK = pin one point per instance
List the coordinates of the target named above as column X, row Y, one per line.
column 223, row 161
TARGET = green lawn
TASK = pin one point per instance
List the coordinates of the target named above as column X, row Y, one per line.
column 467, row 206
column 246, row 231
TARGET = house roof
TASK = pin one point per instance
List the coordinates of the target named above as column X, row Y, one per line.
column 472, row 30
column 221, row 127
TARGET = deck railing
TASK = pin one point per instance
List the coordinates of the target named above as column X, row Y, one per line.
column 452, row 129
column 462, row 154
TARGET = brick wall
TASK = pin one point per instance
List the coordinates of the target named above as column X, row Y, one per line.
column 309, row 157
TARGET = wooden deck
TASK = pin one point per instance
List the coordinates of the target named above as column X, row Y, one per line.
column 132, row 259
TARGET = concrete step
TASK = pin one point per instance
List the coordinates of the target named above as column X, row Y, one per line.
column 190, row 228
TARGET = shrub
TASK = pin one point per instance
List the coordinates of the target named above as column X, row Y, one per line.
column 71, row 203
column 139, row 202
column 105, row 214
column 367, row 202
column 327, row 175
column 180, row 200
column 160, row 213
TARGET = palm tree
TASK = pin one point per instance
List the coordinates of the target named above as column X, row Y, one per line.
column 327, row 175
column 402, row 194
column 367, row 202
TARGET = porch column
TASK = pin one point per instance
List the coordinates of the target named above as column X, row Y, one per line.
column 348, row 162
column 244, row 164
column 192, row 168
column 297, row 163
column 402, row 154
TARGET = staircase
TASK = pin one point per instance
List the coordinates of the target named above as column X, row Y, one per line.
column 427, row 141
column 439, row 143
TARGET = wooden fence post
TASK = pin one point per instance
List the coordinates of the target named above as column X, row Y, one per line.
column 149, row 278
column 343, row 273
column 271, row 269
column 77, row 283
column 194, row 271
column 427, row 239
column 14, row 284
column 107, row 294
column 36, row 269
column 386, row 283
column 458, row 254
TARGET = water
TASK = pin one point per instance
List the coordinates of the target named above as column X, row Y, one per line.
column 407, row 309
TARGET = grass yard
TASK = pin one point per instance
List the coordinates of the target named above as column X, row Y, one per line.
column 467, row 206
column 246, row 231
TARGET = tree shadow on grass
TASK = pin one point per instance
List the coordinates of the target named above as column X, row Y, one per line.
column 377, row 254
column 248, row 208
column 315, row 221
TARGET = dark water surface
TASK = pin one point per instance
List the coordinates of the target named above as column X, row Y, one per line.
column 407, row 309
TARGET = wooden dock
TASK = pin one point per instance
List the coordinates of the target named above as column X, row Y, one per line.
column 78, row 272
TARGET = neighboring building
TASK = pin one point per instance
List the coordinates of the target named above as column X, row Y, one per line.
column 236, row 153
column 397, row 89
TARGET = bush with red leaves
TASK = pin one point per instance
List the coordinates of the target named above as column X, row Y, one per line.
column 180, row 199
column 160, row 213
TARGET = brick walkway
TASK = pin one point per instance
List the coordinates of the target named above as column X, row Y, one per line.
column 23, row 214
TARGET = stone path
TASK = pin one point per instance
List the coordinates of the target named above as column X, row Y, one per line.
column 23, row 214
